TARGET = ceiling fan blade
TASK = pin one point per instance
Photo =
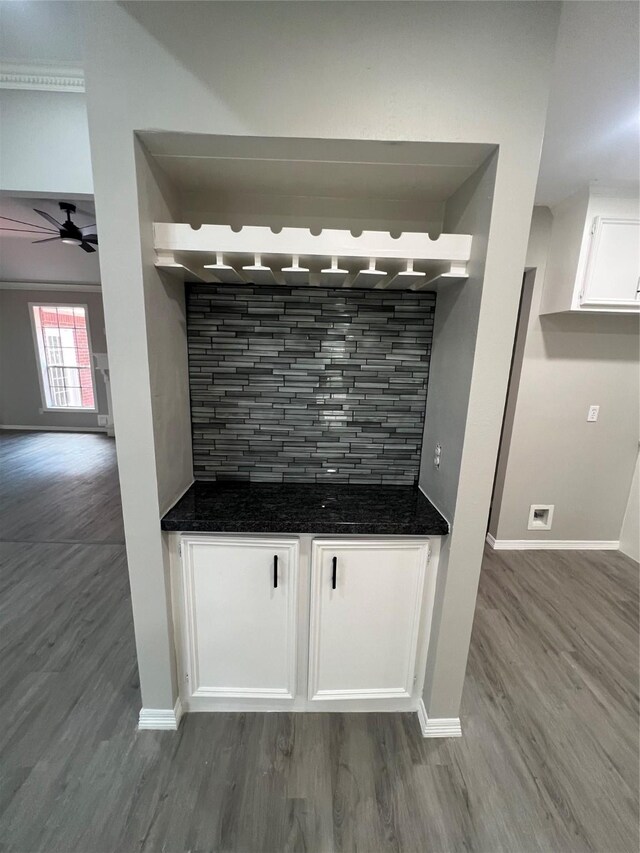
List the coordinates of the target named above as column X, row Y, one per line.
column 48, row 217
column 86, row 246
column 46, row 240
column 28, row 230
column 91, row 238
column 30, row 224
column 88, row 229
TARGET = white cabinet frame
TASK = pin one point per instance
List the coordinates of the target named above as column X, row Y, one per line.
column 602, row 226
column 299, row 619
column 191, row 672
column 582, row 258
column 318, row 600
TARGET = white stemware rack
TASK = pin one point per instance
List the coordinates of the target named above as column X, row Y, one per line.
column 296, row 256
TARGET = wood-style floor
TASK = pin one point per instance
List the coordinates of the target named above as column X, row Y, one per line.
column 59, row 487
column 548, row 761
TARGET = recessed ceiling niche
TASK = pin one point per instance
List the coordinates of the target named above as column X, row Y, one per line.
column 313, row 183
column 343, row 213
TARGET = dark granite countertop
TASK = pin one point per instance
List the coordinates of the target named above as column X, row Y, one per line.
column 305, row 508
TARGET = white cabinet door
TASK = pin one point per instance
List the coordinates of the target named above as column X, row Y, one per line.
column 239, row 615
column 366, row 600
column 613, row 265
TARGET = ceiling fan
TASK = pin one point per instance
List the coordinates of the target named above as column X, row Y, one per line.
column 68, row 232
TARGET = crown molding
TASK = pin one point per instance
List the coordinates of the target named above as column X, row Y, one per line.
column 59, row 286
column 41, row 78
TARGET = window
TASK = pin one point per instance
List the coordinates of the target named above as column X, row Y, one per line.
column 64, row 354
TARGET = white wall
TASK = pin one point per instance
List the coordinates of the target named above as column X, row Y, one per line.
column 552, row 455
column 44, row 140
column 447, row 72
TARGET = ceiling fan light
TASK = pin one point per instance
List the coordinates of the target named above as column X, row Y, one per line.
column 71, row 241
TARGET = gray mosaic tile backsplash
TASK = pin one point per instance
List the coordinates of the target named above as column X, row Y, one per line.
column 308, row 384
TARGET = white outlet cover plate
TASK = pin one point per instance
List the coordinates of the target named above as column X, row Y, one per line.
column 536, row 523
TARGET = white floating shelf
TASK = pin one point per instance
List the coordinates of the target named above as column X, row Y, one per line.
column 295, row 256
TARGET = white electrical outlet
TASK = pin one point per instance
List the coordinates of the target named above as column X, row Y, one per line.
column 592, row 414
column 103, row 420
column 436, row 456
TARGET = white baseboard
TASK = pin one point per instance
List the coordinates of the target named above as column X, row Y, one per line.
column 161, row 718
column 53, row 428
column 438, row 726
column 552, row 544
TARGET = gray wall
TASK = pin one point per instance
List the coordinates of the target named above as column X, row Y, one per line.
column 454, row 359
column 308, row 384
column 445, row 72
column 166, row 334
column 20, row 398
column 630, row 533
column 551, row 455
column 528, row 283
column 454, row 344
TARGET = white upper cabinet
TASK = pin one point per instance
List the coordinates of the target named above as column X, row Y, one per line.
column 239, row 617
column 366, row 602
column 611, row 275
column 594, row 256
